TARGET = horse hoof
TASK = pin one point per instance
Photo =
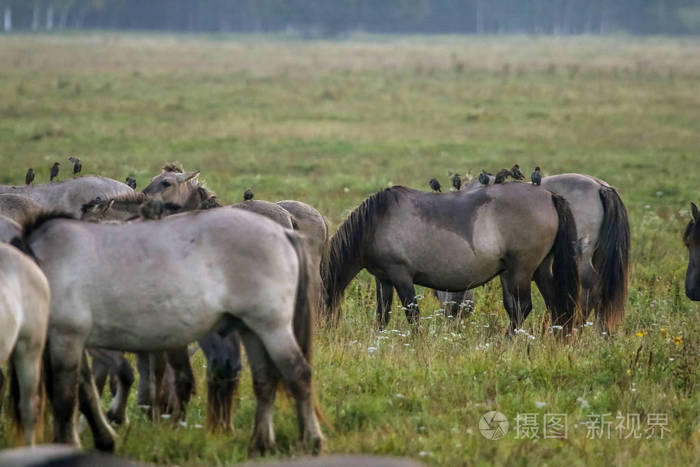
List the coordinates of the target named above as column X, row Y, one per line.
column 105, row 445
column 261, row 447
column 115, row 418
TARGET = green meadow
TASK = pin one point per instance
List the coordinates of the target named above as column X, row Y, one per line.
column 331, row 122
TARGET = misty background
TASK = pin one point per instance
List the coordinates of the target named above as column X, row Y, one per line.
column 330, row 18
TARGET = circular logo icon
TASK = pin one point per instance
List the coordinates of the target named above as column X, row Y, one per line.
column 493, row 425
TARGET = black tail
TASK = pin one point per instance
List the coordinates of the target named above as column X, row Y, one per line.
column 564, row 268
column 611, row 259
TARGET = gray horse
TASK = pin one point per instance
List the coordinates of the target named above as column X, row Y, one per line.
column 24, row 314
column 18, row 207
column 603, row 242
column 691, row 238
column 69, row 195
column 121, row 286
column 456, row 241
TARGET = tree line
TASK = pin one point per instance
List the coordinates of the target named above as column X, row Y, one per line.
column 337, row 17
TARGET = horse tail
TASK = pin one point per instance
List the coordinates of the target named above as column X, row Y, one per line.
column 611, row 259
column 564, row 267
column 304, row 305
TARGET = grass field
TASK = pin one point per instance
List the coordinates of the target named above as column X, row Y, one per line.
column 330, row 123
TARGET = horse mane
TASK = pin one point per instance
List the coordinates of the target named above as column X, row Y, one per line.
column 132, row 197
column 33, row 223
column 172, row 167
column 689, row 230
column 345, row 248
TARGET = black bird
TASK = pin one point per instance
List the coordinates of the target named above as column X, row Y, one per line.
column 29, row 178
column 54, row 171
column 516, row 173
column 502, row 175
column 248, row 195
column 484, row 178
column 435, row 185
column 131, row 182
column 536, row 176
column 457, row 181
column 77, row 166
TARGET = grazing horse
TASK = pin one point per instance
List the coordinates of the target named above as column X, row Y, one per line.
column 24, row 314
column 603, row 243
column 691, row 238
column 152, row 286
column 68, row 195
column 456, row 241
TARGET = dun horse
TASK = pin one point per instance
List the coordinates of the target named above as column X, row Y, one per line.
column 603, row 242
column 456, row 241
column 111, row 294
column 691, row 238
column 24, row 314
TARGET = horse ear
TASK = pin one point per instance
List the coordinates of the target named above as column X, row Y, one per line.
column 694, row 212
column 187, row 176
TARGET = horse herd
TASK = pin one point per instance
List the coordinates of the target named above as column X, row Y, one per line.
column 90, row 266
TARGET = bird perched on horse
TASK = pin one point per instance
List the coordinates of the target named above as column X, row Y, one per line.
column 54, row 171
column 484, row 177
column 502, row 175
column 516, row 173
column 131, row 182
column 536, row 176
column 435, row 185
column 457, row 182
column 77, row 166
column 248, row 195
column 29, row 178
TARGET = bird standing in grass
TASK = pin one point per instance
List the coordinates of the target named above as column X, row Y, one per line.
column 54, row 171
column 131, row 182
column 435, row 185
column 516, row 173
column 484, row 177
column 502, row 175
column 29, row 178
column 457, row 181
column 77, row 166
column 248, row 195
column 536, row 176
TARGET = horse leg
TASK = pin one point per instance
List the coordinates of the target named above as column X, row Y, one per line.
column 407, row 294
column 125, row 378
column 385, row 297
column 156, row 363
column 265, row 380
column 65, row 356
column 26, row 358
column 517, row 298
column 102, row 433
column 223, row 367
column 179, row 360
column 143, row 367
column 100, row 369
column 545, row 282
column 284, row 351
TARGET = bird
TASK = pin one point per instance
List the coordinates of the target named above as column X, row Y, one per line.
column 536, row 176
column 516, row 173
column 484, row 177
column 54, row 171
column 435, row 185
column 502, row 175
column 248, row 195
column 77, row 166
column 29, row 178
column 457, row 181
column 131, row 182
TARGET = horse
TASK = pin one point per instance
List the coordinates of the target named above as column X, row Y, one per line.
column 603, row 244
column 120, row 286
column 68, row 195
column 691, row 239
column 456, row 241
column 24, row 312
column 18, row 207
